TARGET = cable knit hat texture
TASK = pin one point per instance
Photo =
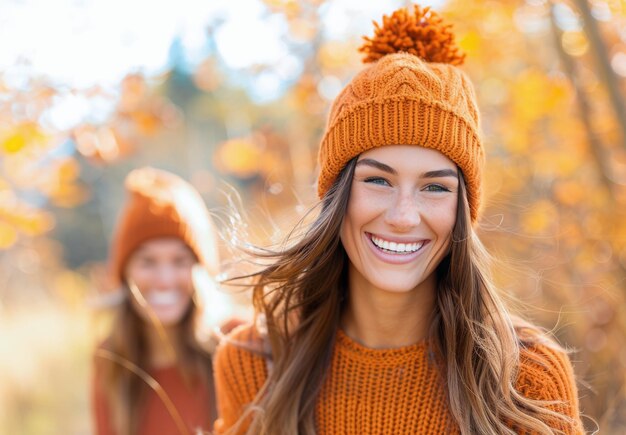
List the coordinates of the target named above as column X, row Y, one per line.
column 161, row 204
column 412, row 94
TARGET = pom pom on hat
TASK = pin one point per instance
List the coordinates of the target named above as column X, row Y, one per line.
column 421, row 33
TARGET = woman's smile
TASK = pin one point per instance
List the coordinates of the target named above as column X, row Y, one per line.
column 396, row 250
column 164, row 298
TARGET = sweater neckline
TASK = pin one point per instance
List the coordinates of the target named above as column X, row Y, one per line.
column 167, row 369
column 344, row 342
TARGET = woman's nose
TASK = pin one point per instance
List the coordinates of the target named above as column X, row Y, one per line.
column 165, row 276
column 404, row 213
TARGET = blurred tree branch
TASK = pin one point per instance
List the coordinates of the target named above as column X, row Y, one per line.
column 584, row 108
column 610, row 78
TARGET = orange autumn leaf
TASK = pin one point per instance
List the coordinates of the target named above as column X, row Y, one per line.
column 239, row 157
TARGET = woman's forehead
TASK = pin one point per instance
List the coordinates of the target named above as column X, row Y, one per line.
column 163, row 245
column 412, row 156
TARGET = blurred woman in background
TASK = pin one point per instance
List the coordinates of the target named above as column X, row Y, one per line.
column 152, row 375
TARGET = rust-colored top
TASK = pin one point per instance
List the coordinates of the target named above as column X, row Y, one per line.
column 192, row 403
column 395, row 391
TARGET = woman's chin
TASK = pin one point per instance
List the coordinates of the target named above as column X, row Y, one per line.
column 166, row 316
column 396, row 287
column 397, row 283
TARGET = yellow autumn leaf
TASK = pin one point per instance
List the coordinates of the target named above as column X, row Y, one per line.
column 334, row 54
column 574, row 43
column 8, row 235
column 556, row 163
column 71, row 286
column 21, row 136
column 534, row 95
column 569, row 193
column 541, row 217
column 33, row 222
column 239, row 157
column 470, row 42
column 68, row 170
column 516, row 140
column 21, row 216
column 69, row 195
column 14, row 143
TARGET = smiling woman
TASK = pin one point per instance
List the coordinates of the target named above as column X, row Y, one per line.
column 152, row 375
column 383, row 317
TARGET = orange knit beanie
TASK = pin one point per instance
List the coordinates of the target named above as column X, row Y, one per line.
column 162, row 204
column 412, row 94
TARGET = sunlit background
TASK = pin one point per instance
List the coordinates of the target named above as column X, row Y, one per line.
column 233, row 94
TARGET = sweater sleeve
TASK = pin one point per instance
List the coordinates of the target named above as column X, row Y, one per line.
column 239, row 375
column 547, row 374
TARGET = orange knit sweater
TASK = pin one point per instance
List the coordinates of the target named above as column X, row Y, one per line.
column 389, row 391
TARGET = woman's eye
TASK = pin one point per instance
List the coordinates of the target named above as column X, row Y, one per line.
column 183, row 262
column 377, row 180
column 147, row 262
column 436, row 188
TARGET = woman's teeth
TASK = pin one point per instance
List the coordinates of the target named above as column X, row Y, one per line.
column 397, row 248
column 168, row 297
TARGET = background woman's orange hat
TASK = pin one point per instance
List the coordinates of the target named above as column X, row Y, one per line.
column 162, row 204
column 412, row 94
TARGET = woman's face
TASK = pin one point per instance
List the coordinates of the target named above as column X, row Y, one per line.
column 161, row 270
column 400, row 216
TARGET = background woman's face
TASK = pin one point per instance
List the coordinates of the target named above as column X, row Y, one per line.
column 400, row 216
column 161, row 270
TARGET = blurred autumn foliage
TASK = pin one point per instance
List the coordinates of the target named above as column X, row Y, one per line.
column 551, row 80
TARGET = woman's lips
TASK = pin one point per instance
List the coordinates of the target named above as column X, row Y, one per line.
column 396, row 251
column 396, row 247
column 163, row 298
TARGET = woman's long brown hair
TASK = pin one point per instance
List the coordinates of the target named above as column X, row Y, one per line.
column 302, row 294
column 123, row 358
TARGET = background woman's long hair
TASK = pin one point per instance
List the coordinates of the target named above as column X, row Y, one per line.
column 126, row 390
column 302, row 294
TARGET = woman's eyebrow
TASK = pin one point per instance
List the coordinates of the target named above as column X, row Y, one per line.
column 441, row 173
column 386, row 168
column 378, row 165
